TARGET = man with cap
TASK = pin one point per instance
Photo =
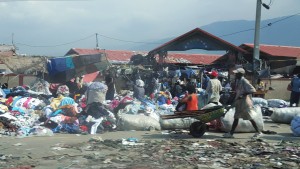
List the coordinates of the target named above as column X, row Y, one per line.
column 243, row 102
column 213, row 88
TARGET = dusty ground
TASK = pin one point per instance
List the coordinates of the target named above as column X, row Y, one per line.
column 85, row 151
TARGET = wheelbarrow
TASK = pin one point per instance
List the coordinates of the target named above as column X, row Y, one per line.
column 198, row 128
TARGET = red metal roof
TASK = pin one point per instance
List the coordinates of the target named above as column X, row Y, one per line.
column 275, row 50
column 90, row 77
column 112, row 55
column 191, row 58
column 124, row 56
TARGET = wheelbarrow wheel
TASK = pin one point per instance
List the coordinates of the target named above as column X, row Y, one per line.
column 197, row 129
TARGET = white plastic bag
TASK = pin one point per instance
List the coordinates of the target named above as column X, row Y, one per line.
column 137, row 122
column 260, row 101
column 244, row 126
column 277, row 103
column 41, row 131
column 284, row 115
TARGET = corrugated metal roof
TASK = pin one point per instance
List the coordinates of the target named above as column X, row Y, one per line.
column 191, row 58
column 112, row 55
column 275, row 50
column 115, row 56
column 90, row 77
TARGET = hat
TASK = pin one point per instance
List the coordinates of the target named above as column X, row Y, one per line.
column 213, row 73
column 239, row 70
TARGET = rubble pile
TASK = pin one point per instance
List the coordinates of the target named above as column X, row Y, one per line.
column 133, row 153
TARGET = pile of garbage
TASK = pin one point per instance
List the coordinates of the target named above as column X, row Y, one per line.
column 173, row 153
column 25, row 112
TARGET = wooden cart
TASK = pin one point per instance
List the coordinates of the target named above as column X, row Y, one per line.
column 198, row 128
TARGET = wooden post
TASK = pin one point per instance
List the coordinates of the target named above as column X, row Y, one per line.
column 21, row 80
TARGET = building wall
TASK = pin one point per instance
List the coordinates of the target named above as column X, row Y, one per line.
column 17, row 80
column 280, row 91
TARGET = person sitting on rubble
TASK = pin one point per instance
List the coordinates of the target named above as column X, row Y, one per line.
column 75, row 86
column 177, row 89
column 62, row 92
column 139, row 90
column 154, row 84
column 4, row 86
column 190, row 100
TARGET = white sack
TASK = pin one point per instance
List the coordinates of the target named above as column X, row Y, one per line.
column 153, row 115
column 178, row 123
column 137, row 122
column 284, row 115
column 277, row 103
column 244, row 126
column 260, row 102
column 295, row 126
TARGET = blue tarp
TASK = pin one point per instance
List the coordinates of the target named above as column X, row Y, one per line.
column 63, row 69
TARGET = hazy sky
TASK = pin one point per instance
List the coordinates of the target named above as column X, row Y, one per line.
column 49, row 27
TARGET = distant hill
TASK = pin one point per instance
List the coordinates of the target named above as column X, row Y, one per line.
column 282, row 31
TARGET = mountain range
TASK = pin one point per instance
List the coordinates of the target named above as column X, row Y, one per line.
column 283, row 31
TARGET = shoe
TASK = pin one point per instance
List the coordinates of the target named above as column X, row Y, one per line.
column 228, row 135
column 257, row 135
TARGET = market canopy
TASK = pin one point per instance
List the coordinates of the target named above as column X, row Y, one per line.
column 63, row 69
column 196, row 39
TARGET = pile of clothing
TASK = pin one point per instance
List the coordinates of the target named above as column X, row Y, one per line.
column 27, row 114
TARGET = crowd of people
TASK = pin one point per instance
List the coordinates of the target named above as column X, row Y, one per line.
column 243, row 91
column 77, row 106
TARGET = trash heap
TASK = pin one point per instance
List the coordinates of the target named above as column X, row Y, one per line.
column 161, row 154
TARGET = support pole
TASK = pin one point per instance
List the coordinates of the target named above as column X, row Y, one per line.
column 256, row 39
column 97, row 45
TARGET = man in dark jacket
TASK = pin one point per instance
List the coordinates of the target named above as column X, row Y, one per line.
column 109, row 81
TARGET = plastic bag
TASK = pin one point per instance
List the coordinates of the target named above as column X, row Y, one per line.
column 137, row 122
column 284, row 115
column 244, row 126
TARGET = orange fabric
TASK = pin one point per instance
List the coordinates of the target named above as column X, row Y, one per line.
column 192, row 104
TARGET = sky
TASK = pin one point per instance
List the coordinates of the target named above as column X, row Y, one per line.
column 53, row 27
